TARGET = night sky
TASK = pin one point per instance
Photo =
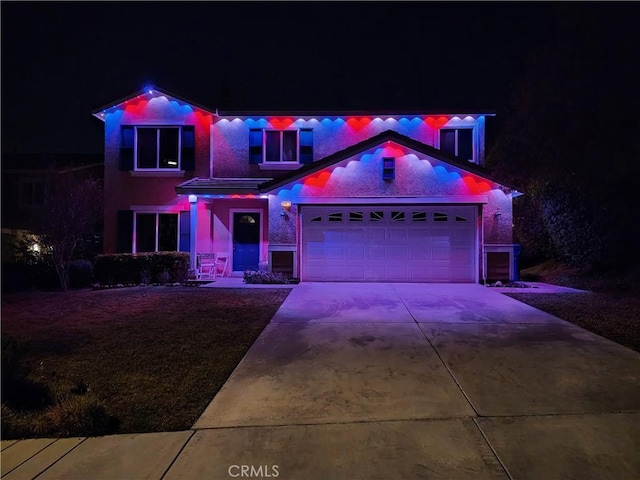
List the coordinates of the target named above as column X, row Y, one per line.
column 62, row 60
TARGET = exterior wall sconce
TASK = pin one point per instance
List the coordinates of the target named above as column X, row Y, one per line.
column 497, row 213
column 193, row 199
column 286, row 207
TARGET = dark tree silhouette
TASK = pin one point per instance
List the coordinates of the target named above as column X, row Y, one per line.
column 70, row 217
column 571, row 140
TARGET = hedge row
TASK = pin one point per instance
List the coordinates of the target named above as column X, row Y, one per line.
column 153, row 267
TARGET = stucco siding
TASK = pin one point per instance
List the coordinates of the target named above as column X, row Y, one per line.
column 122, row 189
column 230, row 136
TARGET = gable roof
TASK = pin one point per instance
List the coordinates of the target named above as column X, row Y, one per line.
column 387, row 135
column 147, row 92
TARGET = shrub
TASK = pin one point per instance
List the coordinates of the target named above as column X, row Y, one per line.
column 80, row 274
column 141, row 267
column 28, row 274
column 253, row 277
column 70, row 416
column 164, row 277
column 18, row 391
column 78, row 415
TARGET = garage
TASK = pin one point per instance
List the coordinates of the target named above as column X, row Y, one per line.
column 391, row 243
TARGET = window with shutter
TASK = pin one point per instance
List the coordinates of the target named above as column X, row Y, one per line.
column 127, row 142
column 458, row 142
column 280, row 146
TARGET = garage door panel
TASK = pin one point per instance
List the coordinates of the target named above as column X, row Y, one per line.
column 439, row 254
column 376, row 253
column 355, row 253
column 354, row 273
column 388, row 243
column 375, row 272
column 398, row 234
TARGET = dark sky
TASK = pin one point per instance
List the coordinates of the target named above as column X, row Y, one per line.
column 62, row 60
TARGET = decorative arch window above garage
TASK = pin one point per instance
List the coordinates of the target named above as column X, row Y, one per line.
column 160, row 148
column 277, row 147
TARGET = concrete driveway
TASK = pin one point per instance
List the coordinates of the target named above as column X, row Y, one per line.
column 422, row 381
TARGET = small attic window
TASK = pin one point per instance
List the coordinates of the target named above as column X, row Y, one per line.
column 388, row 168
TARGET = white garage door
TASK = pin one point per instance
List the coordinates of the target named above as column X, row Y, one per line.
column 388, row 243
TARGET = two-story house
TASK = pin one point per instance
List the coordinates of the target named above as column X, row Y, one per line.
column 323, row 196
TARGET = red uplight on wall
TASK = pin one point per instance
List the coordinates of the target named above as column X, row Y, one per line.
column 358, row 123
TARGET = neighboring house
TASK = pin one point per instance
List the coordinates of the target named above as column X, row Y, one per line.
column 26, row 180
column 322, row 196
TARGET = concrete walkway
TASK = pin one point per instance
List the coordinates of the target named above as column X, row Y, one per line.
column 391, row 381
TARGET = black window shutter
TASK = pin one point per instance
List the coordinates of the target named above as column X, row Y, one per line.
column 448, row 141
column 185, row 231
column 465, row 143
column 188, row 148
column 306, row 145
column 126, row 147
column 125, row 231
column 255, row 145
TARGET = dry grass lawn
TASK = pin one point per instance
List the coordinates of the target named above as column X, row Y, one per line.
column 155, row 356
column 616, row 317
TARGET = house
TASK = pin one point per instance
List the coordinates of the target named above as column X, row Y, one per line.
column 321, row 196
column 27, row 180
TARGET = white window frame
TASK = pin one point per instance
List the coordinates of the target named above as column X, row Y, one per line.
column 281, row 161
column 157, row 213
column 474, row 140
column 177, row 168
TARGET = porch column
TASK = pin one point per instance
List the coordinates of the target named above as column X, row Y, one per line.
column 193, row 230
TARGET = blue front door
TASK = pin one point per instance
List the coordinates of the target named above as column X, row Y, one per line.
column 246, row 241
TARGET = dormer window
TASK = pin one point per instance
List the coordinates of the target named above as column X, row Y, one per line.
column 458, row 142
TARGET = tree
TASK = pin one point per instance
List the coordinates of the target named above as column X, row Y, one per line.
column 571, row 142
column 70, row 217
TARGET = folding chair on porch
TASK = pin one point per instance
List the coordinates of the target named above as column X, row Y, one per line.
column 206, row 266
column 222, row 264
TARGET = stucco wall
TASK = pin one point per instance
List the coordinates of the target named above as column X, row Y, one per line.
column 417, row 177
column 231, row 136
column 122, row 189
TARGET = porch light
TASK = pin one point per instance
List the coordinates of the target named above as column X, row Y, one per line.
column 286, row 205
column 193, row 199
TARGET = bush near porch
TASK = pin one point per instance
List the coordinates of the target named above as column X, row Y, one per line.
column 140, row 359
column 145, row 268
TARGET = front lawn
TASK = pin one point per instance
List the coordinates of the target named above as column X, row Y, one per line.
column 613, row 316
column 144, row 358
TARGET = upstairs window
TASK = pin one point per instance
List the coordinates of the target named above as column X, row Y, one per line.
column 458, row 142
column 280, row 147
column 157, row 148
